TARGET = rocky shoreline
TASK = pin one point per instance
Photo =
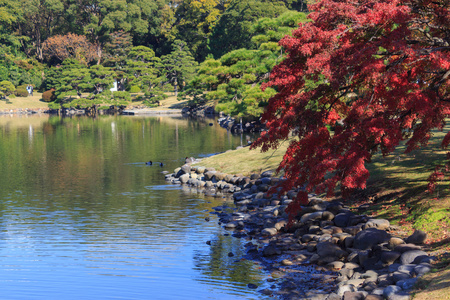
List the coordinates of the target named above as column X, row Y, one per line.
column 24, row 111
column 329, row 253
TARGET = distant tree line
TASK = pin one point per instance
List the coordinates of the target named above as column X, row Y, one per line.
column 73, row 47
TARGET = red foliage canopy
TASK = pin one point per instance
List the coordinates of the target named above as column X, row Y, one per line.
column 376, row 71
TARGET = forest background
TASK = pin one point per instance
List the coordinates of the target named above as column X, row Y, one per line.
column 74, row 51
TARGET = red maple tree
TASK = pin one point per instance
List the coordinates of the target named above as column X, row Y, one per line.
column 375, row 72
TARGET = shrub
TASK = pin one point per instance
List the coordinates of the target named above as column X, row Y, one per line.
column 53, row 105
column 49, row 96
column 135, row 89
column 121, row 96
column 21, row 92
column 6, row 87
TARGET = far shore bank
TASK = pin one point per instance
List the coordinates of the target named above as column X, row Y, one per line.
column 34, row 104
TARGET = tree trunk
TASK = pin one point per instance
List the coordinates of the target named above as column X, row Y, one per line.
column 99, row 52
column 37, row 30
column 175, row 87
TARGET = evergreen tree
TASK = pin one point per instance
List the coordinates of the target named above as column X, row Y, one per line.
column 144, row 70
column 116, row 56
column 11, row 15
column 179, row 66
column 234, row 80
column 195, row 21
column 233, row 31
column 40, row 18
column 98, row 18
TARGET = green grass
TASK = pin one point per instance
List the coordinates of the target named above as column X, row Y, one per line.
column 30, row 102
column 245, row 161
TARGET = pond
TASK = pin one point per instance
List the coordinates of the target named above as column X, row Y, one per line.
column 83, row 217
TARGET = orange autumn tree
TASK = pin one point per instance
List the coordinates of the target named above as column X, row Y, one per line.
column 361, row 77
column 71, row 45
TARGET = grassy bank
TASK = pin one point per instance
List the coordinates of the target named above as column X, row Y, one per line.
column 396, row 191
column 30, row 102
column 35, row 102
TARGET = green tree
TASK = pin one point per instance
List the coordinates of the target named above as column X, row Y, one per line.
column 73, row 78
column 234, row 80
column 144, row 70
column 298, row 5
column 6, row 88
column 10, row 16
column 101, row 78
column 18, row 69
column 239, row 90
column 195, row 21
column 69, row 80
column 179, row 66
column 161, row 28
column 40, row 18
column 116, row 56
column 233, row 31
column 98, row 18
column 143, row 67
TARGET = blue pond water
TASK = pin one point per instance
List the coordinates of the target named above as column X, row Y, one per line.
column 83, row 217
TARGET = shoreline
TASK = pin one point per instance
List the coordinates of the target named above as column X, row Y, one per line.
column 329, row 253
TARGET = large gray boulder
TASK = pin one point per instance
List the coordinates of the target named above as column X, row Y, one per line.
column 417, row 238
column 342, row 219
column 381, row 224
column 184, row 178
column 328, row 249
column 209, row 175
column 370, row 237
column 413, row 256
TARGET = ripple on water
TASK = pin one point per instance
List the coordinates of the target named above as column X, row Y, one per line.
column 111, row 250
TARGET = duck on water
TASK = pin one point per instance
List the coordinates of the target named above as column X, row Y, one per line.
column 150, row 163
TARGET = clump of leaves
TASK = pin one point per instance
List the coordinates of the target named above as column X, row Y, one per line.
column 396, row 72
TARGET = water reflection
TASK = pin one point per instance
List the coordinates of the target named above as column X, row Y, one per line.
column 82, row 216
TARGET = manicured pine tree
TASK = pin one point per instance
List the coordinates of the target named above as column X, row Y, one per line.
column 179, row 66
column 234, row 80
column 115, row 56
column 144, row 70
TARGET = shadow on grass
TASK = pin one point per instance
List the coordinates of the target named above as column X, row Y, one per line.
column 397, row 187
column 434, row 285
column 177, row 106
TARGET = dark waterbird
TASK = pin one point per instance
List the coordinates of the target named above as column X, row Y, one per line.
column 149, row 163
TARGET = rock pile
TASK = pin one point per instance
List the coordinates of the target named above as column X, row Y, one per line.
column 198, row 110
column 236, row 126
column 329, row 253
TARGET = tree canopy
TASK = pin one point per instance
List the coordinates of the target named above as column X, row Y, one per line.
column 234, row 80
column 233, row 30
column 360, row 78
